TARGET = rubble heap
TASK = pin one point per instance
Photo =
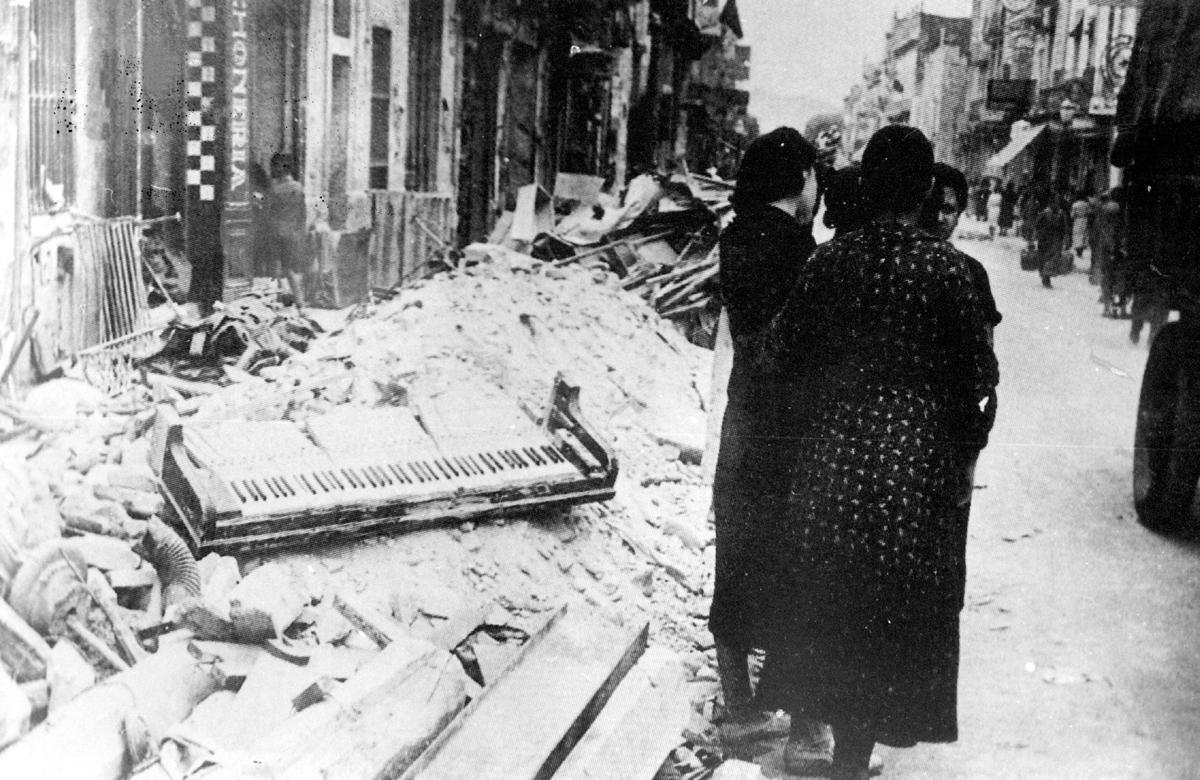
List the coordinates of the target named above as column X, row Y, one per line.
column 505, row 325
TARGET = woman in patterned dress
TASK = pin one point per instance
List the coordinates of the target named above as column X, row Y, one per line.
column 890, row 339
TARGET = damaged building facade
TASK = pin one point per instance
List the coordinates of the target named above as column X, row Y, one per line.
column 412, row 124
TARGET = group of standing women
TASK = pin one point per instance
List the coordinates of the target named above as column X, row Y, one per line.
column 862, row 391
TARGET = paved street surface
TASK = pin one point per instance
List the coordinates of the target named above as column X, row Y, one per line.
column 1081, row 635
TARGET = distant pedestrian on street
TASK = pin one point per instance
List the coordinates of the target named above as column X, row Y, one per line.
column 1151, row 305
column 1106, row 224
column 283, row 209
column 1081, row 217
column 1028, row 206
column 982, row 191
column 886, row 339
column 1008, row 208
column 995, row 201
column 845, row 211
column 762, row 252
column 1050, row 232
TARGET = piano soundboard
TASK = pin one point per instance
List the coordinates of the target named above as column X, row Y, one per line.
column 234, row 486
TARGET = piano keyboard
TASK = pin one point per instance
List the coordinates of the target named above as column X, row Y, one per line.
column 239, row 484
column 365, row 457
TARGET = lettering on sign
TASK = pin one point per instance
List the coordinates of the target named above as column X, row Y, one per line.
column 239, row 103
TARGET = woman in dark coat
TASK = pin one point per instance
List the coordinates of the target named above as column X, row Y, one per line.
column 893, row 341
column 762, row 251
column 1050, row 230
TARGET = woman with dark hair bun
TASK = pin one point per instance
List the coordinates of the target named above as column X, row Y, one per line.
column 887, row 341
column 844, row 208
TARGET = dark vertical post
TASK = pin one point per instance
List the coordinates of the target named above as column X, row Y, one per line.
column 205, row 142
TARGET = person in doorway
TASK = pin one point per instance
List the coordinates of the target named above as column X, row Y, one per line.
column 284, row 212
column 995, row 200
column 890, row 338
column 1081, row 219
column 1050, row 232
column 762, row 251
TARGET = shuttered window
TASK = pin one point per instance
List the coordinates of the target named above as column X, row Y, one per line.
column 52, row 114
column 424, row 94
column 381, row 106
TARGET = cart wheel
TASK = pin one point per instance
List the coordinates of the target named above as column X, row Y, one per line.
column 1166, row 456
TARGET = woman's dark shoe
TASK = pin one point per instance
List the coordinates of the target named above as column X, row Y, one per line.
column 809, row 751
column 744, row 725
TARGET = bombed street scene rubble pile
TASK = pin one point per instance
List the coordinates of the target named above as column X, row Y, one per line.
column 191, row 640
column 659, row 240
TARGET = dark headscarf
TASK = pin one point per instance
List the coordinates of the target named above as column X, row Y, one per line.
column 897, row 169
column 773, row 168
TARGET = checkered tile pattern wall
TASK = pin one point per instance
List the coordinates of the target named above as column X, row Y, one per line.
column 201, row 93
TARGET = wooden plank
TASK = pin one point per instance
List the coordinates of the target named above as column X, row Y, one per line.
column 639, row 726
column 524, row 724
column 264, row 701
column 383, row 674
column 383, row 737
column 379, row 628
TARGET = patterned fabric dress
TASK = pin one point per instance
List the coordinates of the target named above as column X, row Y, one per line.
column 890, row 332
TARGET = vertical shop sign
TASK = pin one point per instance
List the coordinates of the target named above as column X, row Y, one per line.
column 239, row 91
column 236, row 219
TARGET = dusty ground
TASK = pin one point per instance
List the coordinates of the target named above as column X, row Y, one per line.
column 1081, row 636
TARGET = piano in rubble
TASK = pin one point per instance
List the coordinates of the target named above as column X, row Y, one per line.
column 234, row 486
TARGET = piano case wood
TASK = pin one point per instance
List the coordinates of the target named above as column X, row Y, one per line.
column 238, row 486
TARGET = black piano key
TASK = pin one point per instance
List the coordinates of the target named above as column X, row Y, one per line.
column 280, row 490
column 479, row 470
column 291, row 490
column 254, row 489
column 268, row 486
